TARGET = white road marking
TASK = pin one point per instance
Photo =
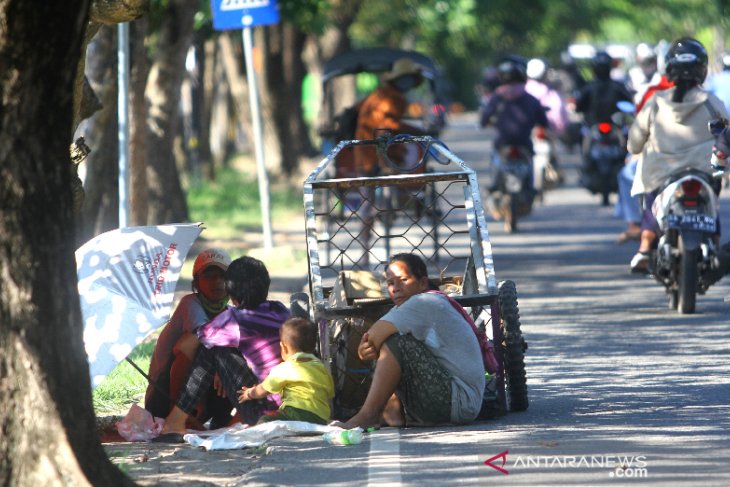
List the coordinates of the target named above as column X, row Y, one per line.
column 384, row 459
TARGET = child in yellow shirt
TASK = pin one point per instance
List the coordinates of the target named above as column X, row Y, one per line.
column 302, row 379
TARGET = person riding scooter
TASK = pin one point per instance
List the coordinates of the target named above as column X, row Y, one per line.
column 670, row 133
column 597, row 102
column 513, row 112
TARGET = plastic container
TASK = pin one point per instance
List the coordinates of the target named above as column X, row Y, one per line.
column 343, row 437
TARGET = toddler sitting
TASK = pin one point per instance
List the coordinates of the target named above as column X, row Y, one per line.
column 302, row 380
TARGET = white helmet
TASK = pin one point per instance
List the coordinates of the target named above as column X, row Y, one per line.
column 536, row 69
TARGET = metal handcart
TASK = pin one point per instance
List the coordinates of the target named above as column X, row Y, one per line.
column 447, row 229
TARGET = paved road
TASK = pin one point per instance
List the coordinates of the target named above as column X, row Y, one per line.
column 615, row 378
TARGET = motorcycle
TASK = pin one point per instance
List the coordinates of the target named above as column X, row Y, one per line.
column 604, row 158
column 686, row 260
column 512, row 194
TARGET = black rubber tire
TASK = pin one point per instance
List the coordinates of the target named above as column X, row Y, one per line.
column 510, row 219
column 673, row 299
column 687, row 279
column 605, row 197
column 513, row 347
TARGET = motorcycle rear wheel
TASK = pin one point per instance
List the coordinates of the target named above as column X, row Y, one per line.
column 605, row 197
column 511, row 210
column 673, row 299
column 687, row 279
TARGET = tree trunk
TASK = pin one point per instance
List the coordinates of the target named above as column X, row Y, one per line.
column 207, row 50
column 140, row 68
column 167, row 202
column 319, row 49
column 222, row 110
column 100, row 210
column 46, row 415
column 284, row 73
column 232, row 64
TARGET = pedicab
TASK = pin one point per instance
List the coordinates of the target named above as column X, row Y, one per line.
column 338, row 123
column 346, row 263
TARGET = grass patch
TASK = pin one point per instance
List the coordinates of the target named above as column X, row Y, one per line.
column 124, row 385
column 230, row 204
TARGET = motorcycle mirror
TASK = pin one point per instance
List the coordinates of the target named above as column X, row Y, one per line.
column 717, row 126
column 625, row 106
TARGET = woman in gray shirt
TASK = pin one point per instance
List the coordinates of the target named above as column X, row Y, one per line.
column 429, row 367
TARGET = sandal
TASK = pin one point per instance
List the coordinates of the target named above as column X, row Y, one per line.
column 627, row 236
column 640, row 263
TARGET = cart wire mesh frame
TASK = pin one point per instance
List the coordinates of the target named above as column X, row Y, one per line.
column 357, row 223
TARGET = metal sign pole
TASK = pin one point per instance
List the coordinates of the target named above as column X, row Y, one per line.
column 258, row 138
column 123, row 116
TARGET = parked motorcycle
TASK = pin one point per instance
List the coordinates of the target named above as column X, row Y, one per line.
column 604, row 158
column 686, row 260
column 512, row 193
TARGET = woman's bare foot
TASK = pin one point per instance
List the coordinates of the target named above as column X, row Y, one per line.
column 392, row 414
column 363, row 419
column 175, row 421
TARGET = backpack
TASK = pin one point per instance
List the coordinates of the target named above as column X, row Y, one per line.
column 485, row 346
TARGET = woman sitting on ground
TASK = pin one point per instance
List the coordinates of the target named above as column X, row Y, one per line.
column 429, row 367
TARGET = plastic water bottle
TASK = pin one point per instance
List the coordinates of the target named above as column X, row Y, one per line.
column 343, row 437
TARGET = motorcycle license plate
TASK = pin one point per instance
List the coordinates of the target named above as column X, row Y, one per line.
column 703, row 223
column 512, row 183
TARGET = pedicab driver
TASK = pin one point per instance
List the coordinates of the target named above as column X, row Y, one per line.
column 384, row 110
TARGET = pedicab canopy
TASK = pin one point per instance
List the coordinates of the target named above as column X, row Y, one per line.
column 374, row 60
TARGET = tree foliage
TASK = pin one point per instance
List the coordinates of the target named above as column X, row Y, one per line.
column 463, row 36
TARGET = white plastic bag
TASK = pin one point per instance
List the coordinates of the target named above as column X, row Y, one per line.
column 139, row 425
column 241, row 436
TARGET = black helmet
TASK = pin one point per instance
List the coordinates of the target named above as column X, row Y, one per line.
column 601, row 64
column 512, row 69
column 687, row 60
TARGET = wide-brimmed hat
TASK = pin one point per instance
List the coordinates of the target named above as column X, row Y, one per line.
column 211, row 257
column 403, row 67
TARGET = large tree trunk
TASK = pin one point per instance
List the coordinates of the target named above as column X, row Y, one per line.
column 167, row 202
column 100, row 210
column 46, row 415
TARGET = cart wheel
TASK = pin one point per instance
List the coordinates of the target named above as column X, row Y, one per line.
column 513, row 347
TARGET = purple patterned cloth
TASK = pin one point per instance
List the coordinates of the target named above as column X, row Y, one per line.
column 255, row 332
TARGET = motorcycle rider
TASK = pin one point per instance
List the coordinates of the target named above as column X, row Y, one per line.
column 538, row 86
column 670, row 132
column 597, row 102
column 513, row 112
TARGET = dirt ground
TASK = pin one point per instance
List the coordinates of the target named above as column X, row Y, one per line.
column 160, row 464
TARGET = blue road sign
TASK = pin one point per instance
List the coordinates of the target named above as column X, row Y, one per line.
column 237, row 14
